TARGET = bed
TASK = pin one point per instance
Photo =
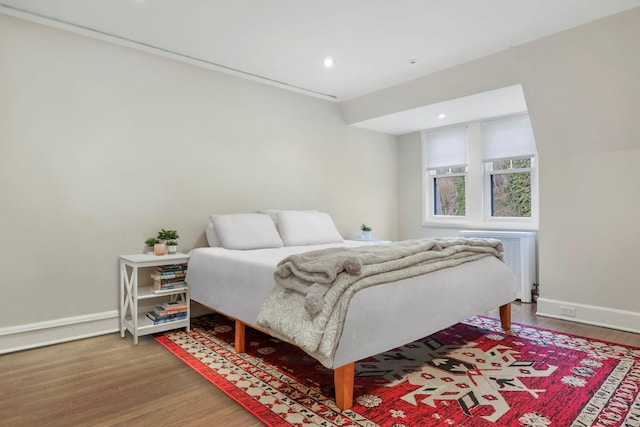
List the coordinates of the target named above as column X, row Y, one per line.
column 233, row 277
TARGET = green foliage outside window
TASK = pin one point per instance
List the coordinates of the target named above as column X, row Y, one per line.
column 511, row 192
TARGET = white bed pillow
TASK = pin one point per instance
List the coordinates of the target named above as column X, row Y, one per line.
column 212, row 239
column 307, row 228
column 246, row 231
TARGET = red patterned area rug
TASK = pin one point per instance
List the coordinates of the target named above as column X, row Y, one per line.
column 469, row 375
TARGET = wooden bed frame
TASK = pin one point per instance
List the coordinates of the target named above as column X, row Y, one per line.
column 343, row 376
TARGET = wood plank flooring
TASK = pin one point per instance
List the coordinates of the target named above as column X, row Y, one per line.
column 109, row 381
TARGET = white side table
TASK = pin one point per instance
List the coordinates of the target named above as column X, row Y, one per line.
column 131, row 295
column 360, row 239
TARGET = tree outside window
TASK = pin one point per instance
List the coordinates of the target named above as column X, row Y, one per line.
column 510, row 188
column 449, row 192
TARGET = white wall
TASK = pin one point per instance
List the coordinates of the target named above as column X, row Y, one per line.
column 583, row 97
column 102, row 145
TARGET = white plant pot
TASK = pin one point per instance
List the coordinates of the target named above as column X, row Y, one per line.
column 367, row 235
column 172, row 249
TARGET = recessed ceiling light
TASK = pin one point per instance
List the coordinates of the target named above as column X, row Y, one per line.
column 328, row 62
column 442, row 116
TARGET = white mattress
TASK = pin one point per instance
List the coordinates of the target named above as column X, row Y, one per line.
column 236, row 282
column 379, row 317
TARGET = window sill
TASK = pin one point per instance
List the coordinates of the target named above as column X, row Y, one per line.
column 507, row 225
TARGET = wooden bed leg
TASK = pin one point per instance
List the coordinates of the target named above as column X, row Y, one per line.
column 505, row 316
column 343, row 378
column 239, row 343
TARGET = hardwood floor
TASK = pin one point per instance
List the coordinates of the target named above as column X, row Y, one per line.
column 108, row 381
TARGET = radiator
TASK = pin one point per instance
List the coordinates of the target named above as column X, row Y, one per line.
column 519, row 255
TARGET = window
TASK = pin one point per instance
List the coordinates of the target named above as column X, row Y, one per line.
column 482, row 174
column 508, row 153
column 446, row 160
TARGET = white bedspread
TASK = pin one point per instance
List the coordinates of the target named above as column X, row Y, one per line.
column 291, row 312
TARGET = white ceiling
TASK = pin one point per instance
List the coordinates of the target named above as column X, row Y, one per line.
column 284, row 42
column 375, row 43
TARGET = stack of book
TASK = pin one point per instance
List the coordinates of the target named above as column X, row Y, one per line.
column 169, row 277
column 168, row 312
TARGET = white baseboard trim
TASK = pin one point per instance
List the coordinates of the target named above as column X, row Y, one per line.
column 22, row 337
column 32, row 335
column 589, row 314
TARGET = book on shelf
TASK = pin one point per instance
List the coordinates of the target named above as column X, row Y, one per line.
column 170, row 307
column 155, row 316
column 168, row 280
column 171, row 285
column 171, row 268
column 160, row 285
column 160, row 310
column 165, row 319
column 166, row 276
column 168, row 289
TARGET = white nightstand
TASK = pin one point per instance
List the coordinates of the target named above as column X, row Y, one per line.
column 131, row 295
column 360, row 239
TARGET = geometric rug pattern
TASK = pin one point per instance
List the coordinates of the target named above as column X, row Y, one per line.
column 469, row 375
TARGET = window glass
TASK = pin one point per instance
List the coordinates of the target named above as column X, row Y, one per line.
column 449, row 195
column 449, row 191
column 510, row 188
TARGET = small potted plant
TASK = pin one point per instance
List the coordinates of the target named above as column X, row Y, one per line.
column 172, row 246
column 366, row 232
column 150, row 243
column 169, row 237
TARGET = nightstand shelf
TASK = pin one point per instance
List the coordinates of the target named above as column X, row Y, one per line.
column 132, row 295
column 146, row 326
column 146, row 292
